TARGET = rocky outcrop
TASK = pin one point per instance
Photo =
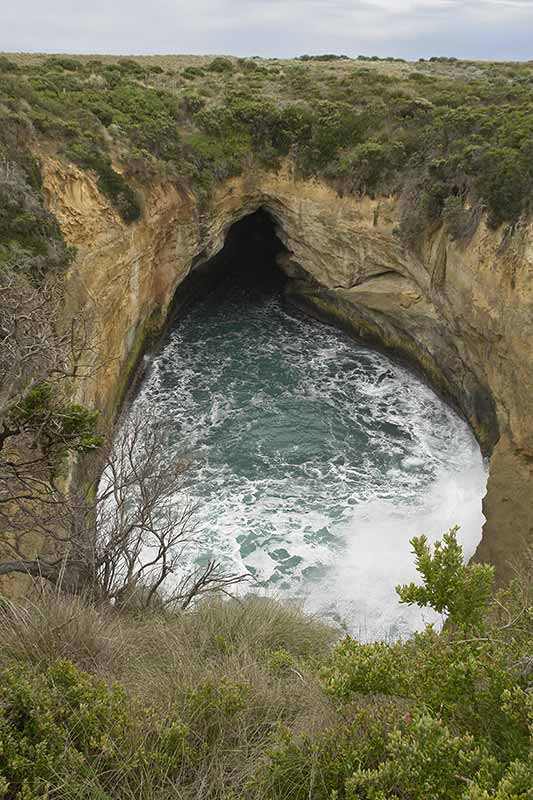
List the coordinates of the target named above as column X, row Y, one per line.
column 463, row 313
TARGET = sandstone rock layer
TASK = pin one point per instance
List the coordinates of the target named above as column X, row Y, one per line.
column 461, row 312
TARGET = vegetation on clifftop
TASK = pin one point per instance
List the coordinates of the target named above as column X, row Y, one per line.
column 445, row 135
column 248, row 699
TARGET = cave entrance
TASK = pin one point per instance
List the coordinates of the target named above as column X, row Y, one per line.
column 251, row 252
column 249, row 259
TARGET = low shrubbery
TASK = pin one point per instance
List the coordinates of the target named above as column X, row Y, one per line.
column 29, row 233
column 362, row 127
column 198, row 697
column 221, row 64
column 246, row 699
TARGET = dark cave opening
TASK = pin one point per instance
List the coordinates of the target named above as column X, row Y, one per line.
column 250, row 254
column 248, row 261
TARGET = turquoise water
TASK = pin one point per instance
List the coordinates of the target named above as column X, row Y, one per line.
column 314, row 459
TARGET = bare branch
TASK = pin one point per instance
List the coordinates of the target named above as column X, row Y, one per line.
column 127, row 540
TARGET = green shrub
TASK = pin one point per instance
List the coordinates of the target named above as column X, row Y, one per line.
column 192, row 72
column 503, row 180
column 6, row 65
column 29, row 233
column 224, row 701
column 462, row 592
column 421, row 210
column 460, row 222
column 221, row 64
column 324, row 57
column 192, row 718
column 366, row 167
column 63, row 62
column 422, row 759
column 129, row 66
column 191, row 102
column 247, row 65
column 55, row 727
column 55, row 427
column 364, row 129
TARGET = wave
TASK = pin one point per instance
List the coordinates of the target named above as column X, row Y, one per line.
column 314, row 459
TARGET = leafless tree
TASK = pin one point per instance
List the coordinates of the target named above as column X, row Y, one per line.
column 120, row 538
column 128, row 544
column 42, row 351
column 37, row 340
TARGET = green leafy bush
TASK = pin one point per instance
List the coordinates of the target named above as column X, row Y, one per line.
column 461, row 592
column 245, row 700
column 364, row 129
column 221, row 64
column 6, row 65
column 55, row 427
column 54, row 726
column 29, row 233
column 63, row 62
column 193, row 72
column 129, row 66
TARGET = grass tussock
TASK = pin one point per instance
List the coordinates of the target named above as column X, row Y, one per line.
column 219, row 680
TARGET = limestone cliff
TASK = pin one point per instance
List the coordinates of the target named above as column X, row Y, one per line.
column 462, row 312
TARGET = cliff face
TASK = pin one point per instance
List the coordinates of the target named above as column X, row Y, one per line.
column 462, row 312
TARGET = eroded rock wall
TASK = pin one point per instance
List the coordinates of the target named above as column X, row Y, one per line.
column 462, row 312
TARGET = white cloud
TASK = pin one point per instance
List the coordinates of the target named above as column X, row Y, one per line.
column 408, row 28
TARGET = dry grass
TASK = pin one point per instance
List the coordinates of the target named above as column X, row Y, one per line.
column 113, row 645
column 187, row 666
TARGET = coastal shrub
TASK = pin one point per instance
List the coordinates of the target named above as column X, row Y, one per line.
column 247, row 699
column 191, row 102
column 442, row 715
column 55, row 727
column 366, row 167
column 448, row 586
column 30, row 236
column 324, row 57
column 475, row 122
column 460, row 222
column 504, row 182
column 55, row 427
column 247, row 65
column 63, row 62
column 421, row 208
column 194, row 711
column 128, row 65
column 6, row 65
column 221, row 64
column 192, row 72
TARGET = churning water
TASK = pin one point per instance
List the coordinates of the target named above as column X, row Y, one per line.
column 314, row 459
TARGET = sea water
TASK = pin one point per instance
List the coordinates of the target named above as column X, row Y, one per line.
column 314, row 459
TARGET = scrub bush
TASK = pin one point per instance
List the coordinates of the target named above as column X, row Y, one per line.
column 55, row 727
column 221, row 64
column 364, row 129
column 6, row 65
column 248, row 700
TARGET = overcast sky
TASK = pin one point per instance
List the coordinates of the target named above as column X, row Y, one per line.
column 484, row 29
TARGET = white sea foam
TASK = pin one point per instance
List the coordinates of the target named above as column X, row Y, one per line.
column 314, row 460
column 375, row 557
